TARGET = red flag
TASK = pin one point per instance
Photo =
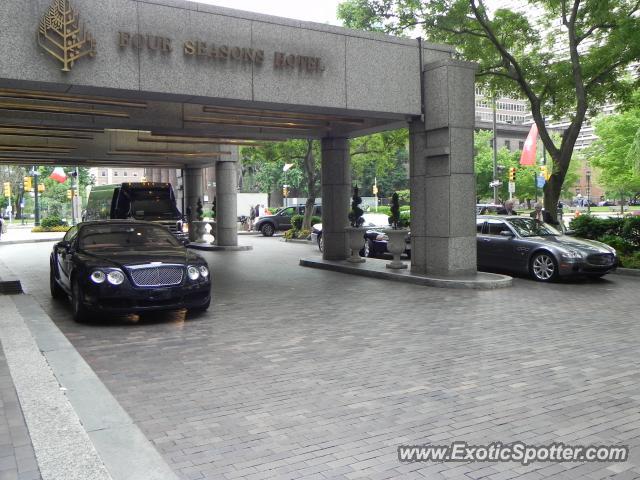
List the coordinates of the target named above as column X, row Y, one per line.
column 528, row 156
column 58, row 175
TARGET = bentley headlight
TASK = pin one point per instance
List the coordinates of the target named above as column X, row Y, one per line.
column 98, row 277
column 115, row 277
column 193, row 272
column 204, row 271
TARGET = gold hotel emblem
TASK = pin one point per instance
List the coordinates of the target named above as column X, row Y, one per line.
column 63, row 36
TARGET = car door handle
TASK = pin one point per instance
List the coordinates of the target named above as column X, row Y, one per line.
column 486, row 239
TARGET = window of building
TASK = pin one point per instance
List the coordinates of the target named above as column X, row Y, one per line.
column 520, row 145
column 125, row 174
column 103, row 173
column 135, row 174
column 115, row 174
column 507, row 143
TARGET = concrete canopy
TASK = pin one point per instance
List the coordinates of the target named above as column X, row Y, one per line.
column 172, row 83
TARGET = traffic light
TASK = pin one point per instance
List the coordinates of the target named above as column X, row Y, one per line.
column 40, row 187
column 70, row 194
column 512, row 174
column 28, row 185
column 285, row 191
column 7, row 189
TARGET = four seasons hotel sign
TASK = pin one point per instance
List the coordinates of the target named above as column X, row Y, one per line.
column 63, row 36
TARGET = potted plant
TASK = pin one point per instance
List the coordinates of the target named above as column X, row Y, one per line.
column 355, row 231
column 198, row 228
column 396, row 235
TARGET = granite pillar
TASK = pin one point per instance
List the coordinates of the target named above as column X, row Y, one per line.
column 226, row 203
column 193, row 190
column 442, row 178
column 336, row 193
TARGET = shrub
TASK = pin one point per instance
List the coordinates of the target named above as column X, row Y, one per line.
column 405, row 218
column 315, row 219
column 289, row 234
column 58, row 228
column 304, row 234
column 587, row 226
column 296, row 221
column 630, row 261
column 619, row 243
column 394, row 219
column 382, row 209
column 631, row 230
column 52, row 221
column 355, row 215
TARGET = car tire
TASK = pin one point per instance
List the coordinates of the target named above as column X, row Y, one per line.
column 80, row 312
column 202, row 309
column 321, row 243
column 369, row 249
column 543, row 267
column 57, row 293
column 267, row 230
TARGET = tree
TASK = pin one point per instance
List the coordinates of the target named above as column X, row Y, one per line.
column 382, row 157
column 265, row 163
column 616, row 154
column 568, row 60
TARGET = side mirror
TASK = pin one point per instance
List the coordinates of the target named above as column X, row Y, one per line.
column 506, row 233
column 64, row 245
column 570, row 232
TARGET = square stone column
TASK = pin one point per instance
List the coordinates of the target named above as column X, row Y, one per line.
column 443, row 188
column 336, row 194
column 193, row 190
column 226, row 203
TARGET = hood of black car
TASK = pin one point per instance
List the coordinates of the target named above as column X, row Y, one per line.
column 128, row 257
column 584, row 245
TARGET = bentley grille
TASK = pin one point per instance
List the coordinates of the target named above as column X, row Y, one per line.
column 600, row 259
column 156, row 276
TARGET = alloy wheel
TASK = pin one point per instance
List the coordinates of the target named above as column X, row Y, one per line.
column 543, row 267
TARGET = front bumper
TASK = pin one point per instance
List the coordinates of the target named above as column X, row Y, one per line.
column 125, row 299
column 585, row 268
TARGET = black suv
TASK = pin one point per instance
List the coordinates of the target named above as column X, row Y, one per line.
column 281, row 221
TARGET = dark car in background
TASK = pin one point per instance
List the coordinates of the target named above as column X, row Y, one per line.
column 121, row 267
column 374, row 239
column 281, row 220
column 525, row 245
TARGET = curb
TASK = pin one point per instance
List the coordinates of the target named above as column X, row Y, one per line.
column 30, row 240
column 217, row 248
column 481, row 281
column 297, row 240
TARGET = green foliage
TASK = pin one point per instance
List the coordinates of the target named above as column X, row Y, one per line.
column 59, row 228
column 304, row 234
column 405, row 197
column 289, row 234
column 588, row 226
column 355, row 215
column 296, row 221
column 616, row 152
column 52, row 221
column 199, row 211
column 619, row 243
column 630, row 261
column 381, row 209
column 631, row 230
column 405, row 219
column 381, row 159
column 394, row 219
column 567, row 59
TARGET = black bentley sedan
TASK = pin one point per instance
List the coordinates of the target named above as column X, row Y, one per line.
column 123, row 266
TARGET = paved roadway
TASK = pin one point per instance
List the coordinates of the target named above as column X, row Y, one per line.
column 302, row 373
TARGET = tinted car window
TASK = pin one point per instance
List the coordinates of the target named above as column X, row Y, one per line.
column 96, row 237
column 479, row 225
column 287, row 211
column 496, row 226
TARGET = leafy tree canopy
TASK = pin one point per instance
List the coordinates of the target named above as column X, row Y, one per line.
column 567, row 58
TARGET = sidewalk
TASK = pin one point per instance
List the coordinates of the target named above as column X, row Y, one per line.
column 23, row 234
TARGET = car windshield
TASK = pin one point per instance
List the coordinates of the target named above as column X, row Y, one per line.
column 130, row 237
column 529, row 227
column 151, row 202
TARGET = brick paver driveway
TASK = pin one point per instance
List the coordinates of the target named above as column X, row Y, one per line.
column 301, row 373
